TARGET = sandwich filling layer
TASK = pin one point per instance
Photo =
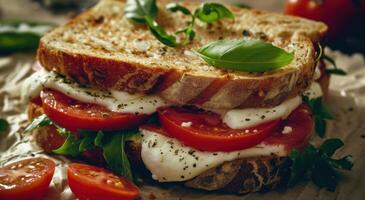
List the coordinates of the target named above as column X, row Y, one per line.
column 168, row 157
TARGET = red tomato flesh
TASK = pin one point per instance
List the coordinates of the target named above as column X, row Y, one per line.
column 26, row 179
column 208, row 132
column 75, row 115
column 301, row 123
column 94, row 183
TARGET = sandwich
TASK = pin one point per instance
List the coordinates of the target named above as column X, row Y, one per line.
column 209, row 96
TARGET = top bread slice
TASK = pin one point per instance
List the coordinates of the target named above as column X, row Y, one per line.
column 103, row 49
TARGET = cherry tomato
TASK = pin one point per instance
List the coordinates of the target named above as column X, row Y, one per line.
column 94, row 183
column 337, row 14
column 301, row 124
column 26, row 179
column 208, row 132
column 74, row 115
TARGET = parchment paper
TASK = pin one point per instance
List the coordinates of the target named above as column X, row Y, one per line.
column 346, row 101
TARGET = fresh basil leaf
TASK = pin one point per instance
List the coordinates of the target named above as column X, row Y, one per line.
column 71, row 146
column 38, row 122
column 4, row 125
column 174, row 7
column 16, row 36
column 244, row 55
column 336, row 71
column 136, row 10
column 212, row 12
column 323, row 175
column 240, row 5
column 345, row 163
column 330, row 146
column 160, row 33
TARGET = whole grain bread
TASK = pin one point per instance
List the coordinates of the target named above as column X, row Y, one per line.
column 103, row 49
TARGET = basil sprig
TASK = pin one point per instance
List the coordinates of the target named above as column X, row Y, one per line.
column 318, row 164
column 4, row 125
column 112, row 145
column 322, row 56
column 244, row 55
column 212, row 12
column 335, row 70
column 320, row 114
column 137, row 10
column 21, row 36
column 145, row 11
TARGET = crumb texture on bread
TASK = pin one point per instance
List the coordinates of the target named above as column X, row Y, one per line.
column 103, row 49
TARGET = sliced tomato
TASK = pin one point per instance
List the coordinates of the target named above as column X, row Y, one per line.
column 208, row 132
column 74, row 115
column 301, row 124
column 26, row 179
column 94, row 183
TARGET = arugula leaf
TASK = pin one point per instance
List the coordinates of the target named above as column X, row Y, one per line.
column 38, row 122
column 4, row 125
column 244, row 55
column 317, row 164
column 160, row 33
column 320, row 114
column 174, row 7
column 70, row 146
column 136, row 10
column 87, row 140
column 212, row 12
column 114, row 154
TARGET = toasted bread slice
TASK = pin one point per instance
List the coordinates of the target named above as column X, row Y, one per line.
column 103, row 49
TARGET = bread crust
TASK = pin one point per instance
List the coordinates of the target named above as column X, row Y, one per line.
column 175, row 76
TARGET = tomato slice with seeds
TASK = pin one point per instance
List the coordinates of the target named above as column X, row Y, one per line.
column 75, row 115
column 94, row 183
column 207, row 131
column 26, row 178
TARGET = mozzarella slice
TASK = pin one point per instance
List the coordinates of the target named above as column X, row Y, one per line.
column 169, row 160
column 250, row 117
column 314, row 91
column 116, row 101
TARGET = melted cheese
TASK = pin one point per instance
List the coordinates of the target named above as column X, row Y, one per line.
column 249, row 117
column 116, row 101
column 314, row 91
column 169, row 160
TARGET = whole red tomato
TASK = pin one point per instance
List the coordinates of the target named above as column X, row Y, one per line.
column 337, row 14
